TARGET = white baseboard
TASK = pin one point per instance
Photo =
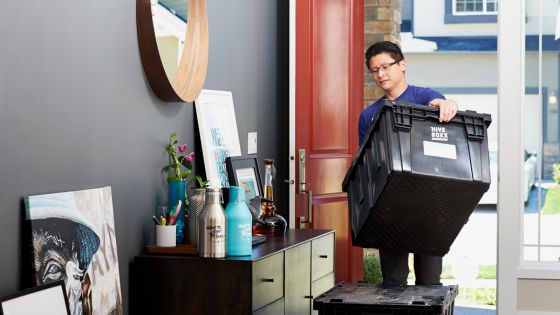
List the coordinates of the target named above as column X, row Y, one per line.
column 536, row 313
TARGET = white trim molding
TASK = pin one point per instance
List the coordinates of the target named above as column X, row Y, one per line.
column 537, row 313
column 292, row 117
column 511, row 89
column 539, row 270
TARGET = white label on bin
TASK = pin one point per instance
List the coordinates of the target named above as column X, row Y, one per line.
column 443, row 150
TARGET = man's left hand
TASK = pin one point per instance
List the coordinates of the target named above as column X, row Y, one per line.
column 447, row 109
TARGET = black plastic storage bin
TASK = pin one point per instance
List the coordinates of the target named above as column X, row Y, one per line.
column 365, row 298
column 415, row 181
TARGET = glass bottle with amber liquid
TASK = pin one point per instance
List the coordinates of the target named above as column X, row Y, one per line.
column 270, row 223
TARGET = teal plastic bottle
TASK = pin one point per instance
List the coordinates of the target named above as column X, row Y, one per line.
column 239, row 224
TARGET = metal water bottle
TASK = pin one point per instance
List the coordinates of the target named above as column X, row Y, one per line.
column 212, row 226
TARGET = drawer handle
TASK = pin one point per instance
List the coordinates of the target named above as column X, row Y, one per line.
column 268, row 280
column 309, row 296
column 323, row 256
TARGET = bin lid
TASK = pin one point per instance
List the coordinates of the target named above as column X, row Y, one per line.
column 410, row 111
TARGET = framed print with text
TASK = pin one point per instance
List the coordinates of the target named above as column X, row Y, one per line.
column 218, row 134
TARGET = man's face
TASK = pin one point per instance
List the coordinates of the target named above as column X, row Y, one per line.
column 53, row 252
column 387, row 73
column 56, row 259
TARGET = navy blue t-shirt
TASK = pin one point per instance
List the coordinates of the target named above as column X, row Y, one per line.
column 412, row 94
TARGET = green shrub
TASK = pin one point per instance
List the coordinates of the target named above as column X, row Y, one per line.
column 556, row 172
column 487, row 272
column 372, row 269
column 476, row 296
column 447, row 272
column 552, row 201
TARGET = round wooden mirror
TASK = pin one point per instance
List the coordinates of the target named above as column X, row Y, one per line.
column 173, row 40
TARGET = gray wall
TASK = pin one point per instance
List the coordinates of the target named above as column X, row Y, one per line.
column 76, row 110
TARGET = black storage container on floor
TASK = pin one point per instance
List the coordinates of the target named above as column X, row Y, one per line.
column 364, row 298
column 415, row 181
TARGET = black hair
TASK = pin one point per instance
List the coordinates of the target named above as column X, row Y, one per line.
column 384, row 47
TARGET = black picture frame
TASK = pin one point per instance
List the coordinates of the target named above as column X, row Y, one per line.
column 47, row 299
column 243, row 171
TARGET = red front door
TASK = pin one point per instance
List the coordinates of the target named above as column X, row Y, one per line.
column 328, row 100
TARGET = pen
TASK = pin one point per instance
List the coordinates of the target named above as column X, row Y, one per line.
column 175, row 213
column 155, row 220
column 173, row 210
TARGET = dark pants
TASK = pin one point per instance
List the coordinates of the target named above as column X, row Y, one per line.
column 394, row 267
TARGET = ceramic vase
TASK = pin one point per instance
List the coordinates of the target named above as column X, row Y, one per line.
column 177, row 191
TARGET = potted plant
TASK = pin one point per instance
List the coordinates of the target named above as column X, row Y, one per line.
column 179, row 171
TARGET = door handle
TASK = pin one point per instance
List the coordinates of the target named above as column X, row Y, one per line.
column 303, row 190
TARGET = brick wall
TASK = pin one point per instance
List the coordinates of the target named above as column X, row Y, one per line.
column 382, row 21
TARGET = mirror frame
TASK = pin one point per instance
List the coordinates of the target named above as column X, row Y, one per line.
column 191, row 72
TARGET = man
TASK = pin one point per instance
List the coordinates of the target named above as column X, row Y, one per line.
column 387, row 67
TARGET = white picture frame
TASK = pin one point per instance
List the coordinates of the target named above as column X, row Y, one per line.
column 49, row 299
column 218, row 134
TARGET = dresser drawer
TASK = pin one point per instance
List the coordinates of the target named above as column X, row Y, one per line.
column 276, row 308
column 322, row 256
column 268, row 280
column 321, row 286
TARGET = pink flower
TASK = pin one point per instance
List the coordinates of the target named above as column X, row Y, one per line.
column 182, row 148
column 190, row 156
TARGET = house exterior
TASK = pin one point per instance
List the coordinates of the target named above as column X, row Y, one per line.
column 463, row 37
column 453, row 46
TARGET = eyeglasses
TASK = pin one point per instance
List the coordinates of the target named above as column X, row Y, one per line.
column 374, row 71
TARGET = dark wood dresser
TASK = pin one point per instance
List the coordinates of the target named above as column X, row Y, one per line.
column 280, row 277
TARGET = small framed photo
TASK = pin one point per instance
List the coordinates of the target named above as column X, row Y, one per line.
column 243, row 171
column 48, row 299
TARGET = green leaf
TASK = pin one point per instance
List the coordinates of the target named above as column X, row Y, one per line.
column 186, row 163
column 166, row 168
column 201, row 183
column 172, row 178
column 173, row 139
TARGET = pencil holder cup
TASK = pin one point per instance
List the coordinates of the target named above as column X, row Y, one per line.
column 165, row 235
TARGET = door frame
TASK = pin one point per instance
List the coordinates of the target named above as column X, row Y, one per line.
column 292, row 117
column 511, row 51
column 511, row 265
column 511, row 89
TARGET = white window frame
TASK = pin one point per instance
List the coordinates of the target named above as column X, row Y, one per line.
column 511, row 90
column 483, row 12
column 552, row 266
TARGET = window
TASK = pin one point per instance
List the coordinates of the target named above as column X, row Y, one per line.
column 541, row 219
column 476, row 7
column 471, row 11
